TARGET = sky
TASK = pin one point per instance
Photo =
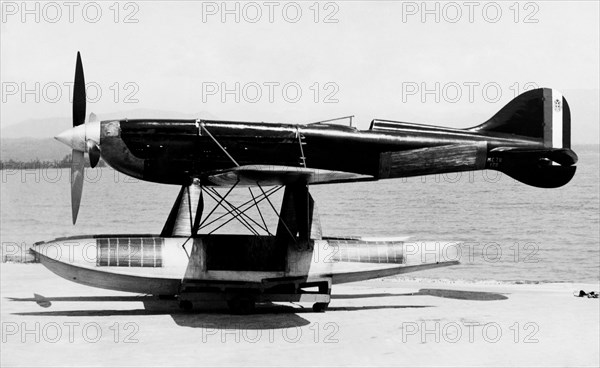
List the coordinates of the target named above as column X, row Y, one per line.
column 442, row 63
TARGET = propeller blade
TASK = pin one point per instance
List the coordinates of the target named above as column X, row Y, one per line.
column 79, row 94
column 77, row 162
column 93, row 151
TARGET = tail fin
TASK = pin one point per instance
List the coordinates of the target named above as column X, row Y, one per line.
column 540, row 113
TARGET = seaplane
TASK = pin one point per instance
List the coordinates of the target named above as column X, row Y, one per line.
column 291, row 261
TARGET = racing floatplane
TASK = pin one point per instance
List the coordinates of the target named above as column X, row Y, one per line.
column 528, row 139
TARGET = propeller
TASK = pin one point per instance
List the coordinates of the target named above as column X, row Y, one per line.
column 83, row 137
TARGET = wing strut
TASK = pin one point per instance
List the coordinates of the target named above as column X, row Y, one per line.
column 182, row 220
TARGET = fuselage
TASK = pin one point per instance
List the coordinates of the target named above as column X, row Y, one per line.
column 172, row 151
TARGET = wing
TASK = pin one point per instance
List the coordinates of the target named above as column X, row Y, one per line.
column 281, row 175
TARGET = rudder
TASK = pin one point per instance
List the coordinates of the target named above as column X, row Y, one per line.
column 541, row 113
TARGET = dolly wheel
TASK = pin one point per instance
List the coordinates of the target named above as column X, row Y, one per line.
column 186, row 305
column 320, row 307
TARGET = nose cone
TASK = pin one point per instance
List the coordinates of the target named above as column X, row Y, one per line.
column 77, row 136
column 74, row 137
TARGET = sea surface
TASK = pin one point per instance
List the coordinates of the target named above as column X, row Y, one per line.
column 506, row 231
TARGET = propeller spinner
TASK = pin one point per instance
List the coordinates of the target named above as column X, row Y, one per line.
column 83, row 137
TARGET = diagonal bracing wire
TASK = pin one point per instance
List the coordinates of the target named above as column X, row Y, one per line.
column 234, row 216
column 214, row 208
column 259, row 212
column 235, row 213
column 240, row 214
column 270, row 192
column 277, row 213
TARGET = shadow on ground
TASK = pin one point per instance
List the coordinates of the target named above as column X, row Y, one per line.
column 265, row 316
column 442, row 293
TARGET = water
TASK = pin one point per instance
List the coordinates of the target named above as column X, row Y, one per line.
column 511, row 232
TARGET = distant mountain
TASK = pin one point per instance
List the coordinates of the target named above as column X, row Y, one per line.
column 28, row 149
column 49, row 127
